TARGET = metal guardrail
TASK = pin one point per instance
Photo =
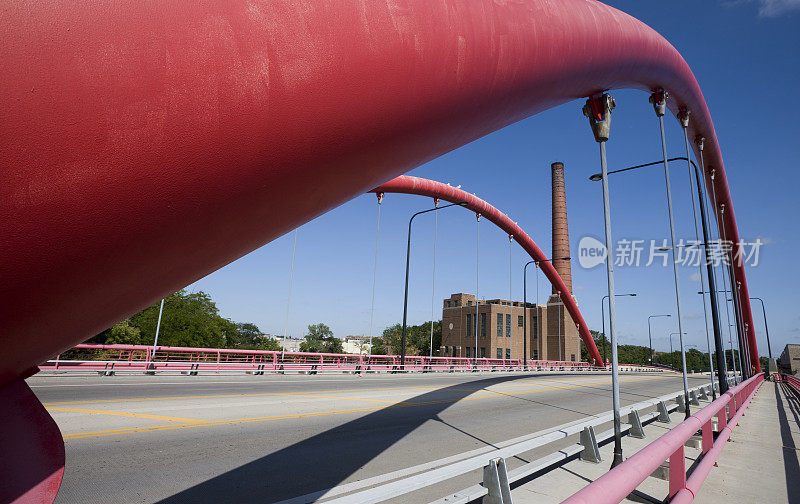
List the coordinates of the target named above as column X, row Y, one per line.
column 614, row 486
column 398, row 483
column 790, row 380
column 110, row 359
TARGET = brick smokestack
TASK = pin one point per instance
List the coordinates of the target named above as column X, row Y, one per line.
column 560, row 228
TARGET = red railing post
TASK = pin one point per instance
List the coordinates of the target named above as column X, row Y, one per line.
column 677, row 472
column 722, row 418
column 708, row 437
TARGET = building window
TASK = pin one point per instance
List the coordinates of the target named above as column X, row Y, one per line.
column 573, row 357
column 469, row 303
column 508, row 353
column 508, row 325
column 469, row 323
column 483, row 353
column 468, row 352
column 447, row 304
column 520, row 320
column 483, row 324
column 499, row 325
column 536, row 355
column 499, row 353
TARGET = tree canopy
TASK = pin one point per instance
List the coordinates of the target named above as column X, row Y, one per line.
column 188, row 320
column 637, row 354
column 418, row 339
column 320, row 339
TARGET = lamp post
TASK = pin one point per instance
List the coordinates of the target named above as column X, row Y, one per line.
column 525, row 304
column 603, row 316
column 408, row 261
column 650, row 334
column 715, row 316
column 155, row 341
column 671, row 348
column 766, row 331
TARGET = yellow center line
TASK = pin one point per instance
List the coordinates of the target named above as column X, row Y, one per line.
column 126, row 414
column 401, row 404
column 217, row 396
column 338, row 397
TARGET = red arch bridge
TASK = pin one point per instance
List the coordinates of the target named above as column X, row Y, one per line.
column 241, row 120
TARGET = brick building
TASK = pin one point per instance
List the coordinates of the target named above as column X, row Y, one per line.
column 500, row 329
column 789, row 361
column 552, row 334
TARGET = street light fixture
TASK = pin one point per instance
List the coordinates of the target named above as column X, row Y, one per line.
column 525, row 306
column 671, row 348
column 650, row 334
column 766, row 330
column 408, row 260
column 603, row 315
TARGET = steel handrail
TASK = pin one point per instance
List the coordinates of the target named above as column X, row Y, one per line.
column 614, row 486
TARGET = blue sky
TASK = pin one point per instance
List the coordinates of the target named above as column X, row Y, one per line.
column 745, row 56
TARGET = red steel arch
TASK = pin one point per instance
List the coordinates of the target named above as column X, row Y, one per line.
column 147, row 144
column 424, row 187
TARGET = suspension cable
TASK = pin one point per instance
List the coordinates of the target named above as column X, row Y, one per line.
column 685, row 123
column 659, row 101
column 289, row 297
column 713, row 276
column 510, row 298
column 477, row 277
column 721, row 232
column 717, row 219
column 433, row 279
column 375, row 271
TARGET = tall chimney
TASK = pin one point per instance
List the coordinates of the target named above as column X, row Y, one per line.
column 560, row 228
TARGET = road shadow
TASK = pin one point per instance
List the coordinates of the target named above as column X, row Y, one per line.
column 326, row 459
column 791, row 465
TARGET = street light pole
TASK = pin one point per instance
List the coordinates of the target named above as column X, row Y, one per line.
column 766, row 330
column 158, row 328
column 408, row 261
column 603, row 316
column 650, row 334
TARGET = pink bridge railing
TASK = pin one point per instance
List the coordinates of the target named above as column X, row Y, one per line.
column 614, row 486
column 92, row 357
column 790, row 380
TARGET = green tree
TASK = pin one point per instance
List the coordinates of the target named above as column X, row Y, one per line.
column 123, row 333
column 378, row 348
column 267, row 343
column 320, row 339
column 189, row 320
column 418, row 338
column 247, row 336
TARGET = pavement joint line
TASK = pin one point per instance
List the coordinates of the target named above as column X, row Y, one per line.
column 402, row 404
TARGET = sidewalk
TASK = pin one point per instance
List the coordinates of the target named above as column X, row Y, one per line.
column 761, row 462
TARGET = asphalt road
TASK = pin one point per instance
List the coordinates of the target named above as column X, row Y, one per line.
column 182, row 439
